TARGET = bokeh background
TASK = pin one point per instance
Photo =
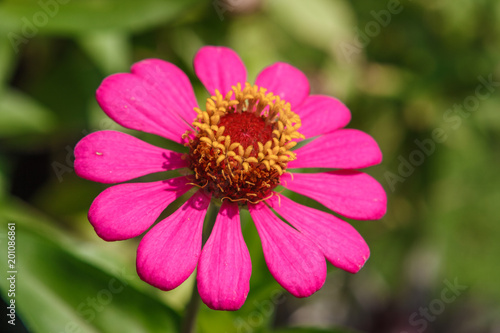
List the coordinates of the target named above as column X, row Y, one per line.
column 422, row 77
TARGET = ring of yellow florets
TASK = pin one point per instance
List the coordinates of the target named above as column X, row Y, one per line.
column 242, row 144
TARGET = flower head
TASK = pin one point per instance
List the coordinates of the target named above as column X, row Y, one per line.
column 240, row 148
column 242, row 144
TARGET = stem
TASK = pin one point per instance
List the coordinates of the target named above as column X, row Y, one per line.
column 189, row 321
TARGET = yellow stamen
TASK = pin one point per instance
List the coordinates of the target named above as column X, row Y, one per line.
column 253, row 169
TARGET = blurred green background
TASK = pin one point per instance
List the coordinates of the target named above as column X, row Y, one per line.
column 422, row 77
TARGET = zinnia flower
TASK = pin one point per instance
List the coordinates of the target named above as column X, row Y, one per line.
column 239, row 151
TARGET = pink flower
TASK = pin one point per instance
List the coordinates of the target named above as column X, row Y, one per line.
column 239, row 151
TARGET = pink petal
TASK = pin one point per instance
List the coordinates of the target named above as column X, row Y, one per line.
column 219, row 68
column 169, row 252
column 286, row 81
column 342, row 149
column 351, row 193
column 293, row 259
column 224, row 268
column 322, row 115
column 127, row 210
column 113, row 157
column 156, row 97
column 341, row 244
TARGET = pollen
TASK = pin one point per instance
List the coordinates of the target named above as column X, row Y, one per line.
column 242, row 143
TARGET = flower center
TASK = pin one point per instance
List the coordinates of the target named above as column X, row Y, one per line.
column 242, row 144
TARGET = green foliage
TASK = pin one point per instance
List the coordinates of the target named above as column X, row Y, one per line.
column 21, row 115
column 80, row 16
column 402, row 80
column 62, row 286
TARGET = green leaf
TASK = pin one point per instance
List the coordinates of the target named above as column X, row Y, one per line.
column 20, row 114
column 26, row 18
column 59, row 288
column 4, row 183
column 6, row 61
column 110, row 50
column 321, row 23
column 210, row 321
